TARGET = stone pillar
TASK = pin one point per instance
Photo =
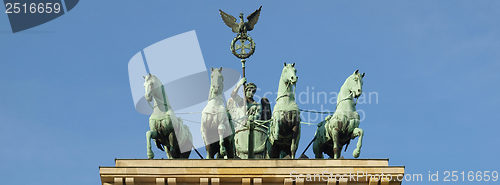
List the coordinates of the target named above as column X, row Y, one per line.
column 215, row 181
column 160, row 181
column 257, row 181
column 129, row 181
column 171, row 181
column 118, row 181
column 245, row 181
column 203, row 181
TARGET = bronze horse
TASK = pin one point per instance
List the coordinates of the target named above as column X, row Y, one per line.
column 284, row 131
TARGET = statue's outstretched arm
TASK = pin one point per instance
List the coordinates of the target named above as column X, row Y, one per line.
column 235, row 90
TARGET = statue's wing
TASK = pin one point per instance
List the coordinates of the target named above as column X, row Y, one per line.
column 252, row 19
column 229, row 20
column 266, row 109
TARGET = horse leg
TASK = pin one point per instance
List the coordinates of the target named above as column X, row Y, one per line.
column 166, row 148
column 221, row 129
column 357, row 133
column 335, row 139
column 293, row 147
column 211, row 150
column 207, row 148
column 275, row 151
column 267, row 150
column 174, row 145
column 204, row 124
column 214, row 150
column 330, row 153
column 167, row 151
column 171, row 154
column 229, row 147
column 318, row 152
column 339, row 152
column 150, row 135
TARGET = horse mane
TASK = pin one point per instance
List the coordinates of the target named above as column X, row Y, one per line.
column 344, row 85
column 157, row 84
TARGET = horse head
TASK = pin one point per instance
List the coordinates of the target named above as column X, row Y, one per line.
column 217, row 81
column 354, row 84
column 148, row 86
column 289, row 74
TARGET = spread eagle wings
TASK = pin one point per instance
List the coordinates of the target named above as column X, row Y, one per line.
column 230, row 21
column 252, row 19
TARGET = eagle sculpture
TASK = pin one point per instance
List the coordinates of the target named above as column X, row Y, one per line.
column 242, row 27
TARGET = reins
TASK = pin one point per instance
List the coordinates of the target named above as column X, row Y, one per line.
column 284, row 95
column 318, row 112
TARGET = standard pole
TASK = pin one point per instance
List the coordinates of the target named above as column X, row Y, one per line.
column 251, row 125
column 243, row 70
column 251, row 140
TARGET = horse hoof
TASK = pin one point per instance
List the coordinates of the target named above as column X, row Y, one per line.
column 222, row 151
column 355, row 153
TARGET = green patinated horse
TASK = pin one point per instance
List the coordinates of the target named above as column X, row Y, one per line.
column 284, row 131
column 338, row 129
column 168, row 131
column 216, row 128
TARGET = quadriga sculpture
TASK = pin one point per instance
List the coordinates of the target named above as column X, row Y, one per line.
column 216, row 128
column 338, row 129
column 284, row 131
column 168, row 131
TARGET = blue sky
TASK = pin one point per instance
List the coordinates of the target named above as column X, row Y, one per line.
column 66, row 106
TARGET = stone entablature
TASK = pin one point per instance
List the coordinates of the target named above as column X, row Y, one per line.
column 256, row 172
